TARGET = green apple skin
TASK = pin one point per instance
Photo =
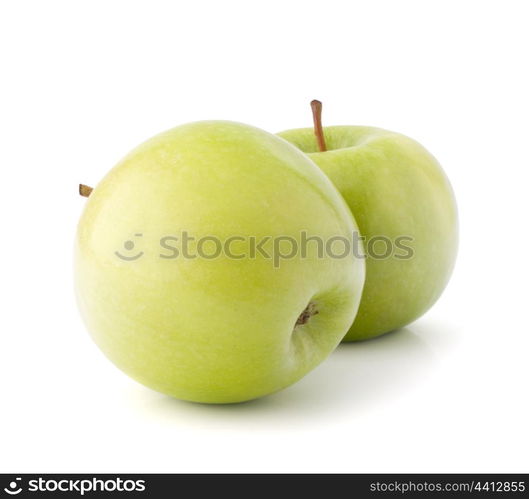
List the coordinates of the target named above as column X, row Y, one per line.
column 217, row 330
column 394, row 188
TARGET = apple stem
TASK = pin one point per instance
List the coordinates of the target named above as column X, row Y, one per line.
column 84, row 190
column 309, row 311
column 316, row 106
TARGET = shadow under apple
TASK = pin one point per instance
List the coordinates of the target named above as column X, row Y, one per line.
column 355, row 378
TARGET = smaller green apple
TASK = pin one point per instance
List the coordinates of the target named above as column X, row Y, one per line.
column 397, row 192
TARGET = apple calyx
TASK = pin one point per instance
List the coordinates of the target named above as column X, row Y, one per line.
column 85, row 190
column 309, row 311
column 316, row 106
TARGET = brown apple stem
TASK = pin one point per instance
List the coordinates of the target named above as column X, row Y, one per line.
column 316, row 106
column 84, row 190
column 305, row 316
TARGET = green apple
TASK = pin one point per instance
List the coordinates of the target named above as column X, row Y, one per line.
column 207, row 327
column 397, row 191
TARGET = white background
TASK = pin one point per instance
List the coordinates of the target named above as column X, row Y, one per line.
column 84, row 82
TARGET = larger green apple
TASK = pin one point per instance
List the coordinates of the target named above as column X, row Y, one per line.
column 215, row 328
column 397, row 192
